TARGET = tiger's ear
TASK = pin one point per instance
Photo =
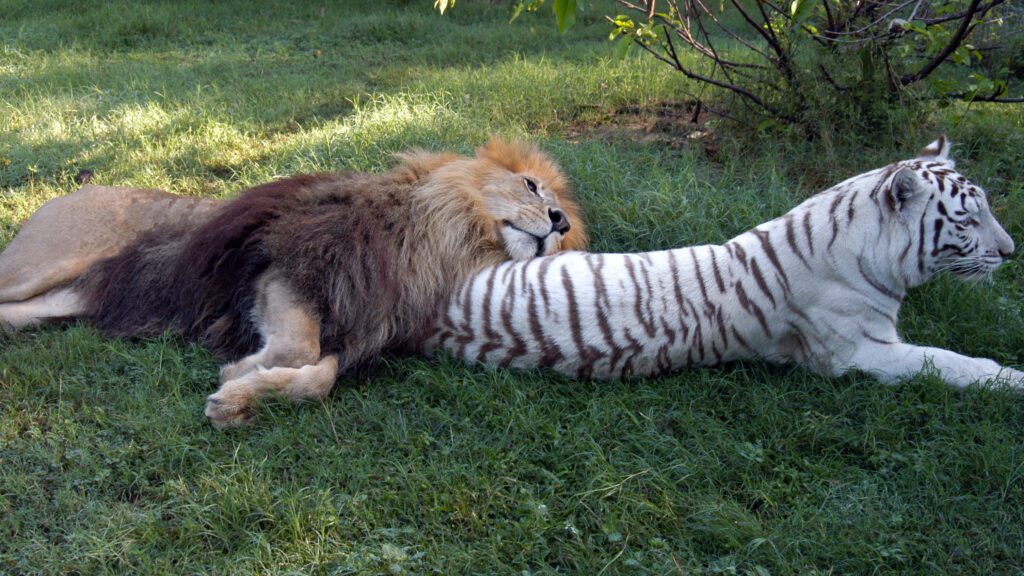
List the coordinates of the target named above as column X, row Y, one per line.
column 938, row 150
column 906, row 192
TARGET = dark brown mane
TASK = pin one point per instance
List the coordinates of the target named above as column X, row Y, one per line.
column 199, row 283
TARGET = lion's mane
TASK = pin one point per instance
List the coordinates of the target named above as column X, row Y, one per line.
column 374, row 255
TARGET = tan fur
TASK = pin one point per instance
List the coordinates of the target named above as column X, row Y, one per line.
column 490, row 193
column 463, row 214
column 69, row 233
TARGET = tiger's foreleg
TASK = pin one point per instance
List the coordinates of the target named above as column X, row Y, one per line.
column 896, row 361
column 289, row 362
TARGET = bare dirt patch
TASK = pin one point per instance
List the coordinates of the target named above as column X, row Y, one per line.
column 672, row 124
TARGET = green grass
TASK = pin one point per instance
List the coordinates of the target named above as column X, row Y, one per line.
column 107, row 465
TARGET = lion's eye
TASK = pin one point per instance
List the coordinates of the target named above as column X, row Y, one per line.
column 530, row 185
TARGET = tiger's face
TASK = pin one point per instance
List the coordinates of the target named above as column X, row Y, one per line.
column 529, row 218
column 949, row 217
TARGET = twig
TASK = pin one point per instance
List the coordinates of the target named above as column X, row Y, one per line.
column 722, row 27
column 953, row 44
column 981, row 11
column 694, row 76
column 878, row 20
column 760, row 29
column 966, row 96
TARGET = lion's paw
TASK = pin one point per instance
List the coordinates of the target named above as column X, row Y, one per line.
column 224, row 412
column 229, row 372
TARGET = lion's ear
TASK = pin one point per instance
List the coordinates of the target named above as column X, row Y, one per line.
column 510, row 154
column 421, row 163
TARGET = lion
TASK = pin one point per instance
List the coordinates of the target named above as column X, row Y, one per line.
column 300, row 279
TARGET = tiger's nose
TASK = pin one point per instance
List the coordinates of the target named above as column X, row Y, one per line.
column 559, row 221
column 1005, row 245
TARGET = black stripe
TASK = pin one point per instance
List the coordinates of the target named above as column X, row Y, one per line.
column 760, row 281
column 874, row 283
column 772, row 256
column 807, row 231
column 939, row 223
column 587, row 354
column 638, row 298
column 601, row 294
column 718, row 275
column 878, row 340
column 518, row 347
column 752, row 308
column 550, row 354
column 491, row 339
column 791, row 240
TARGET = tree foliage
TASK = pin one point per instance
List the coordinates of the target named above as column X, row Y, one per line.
column 791, row 61
column 785, row 59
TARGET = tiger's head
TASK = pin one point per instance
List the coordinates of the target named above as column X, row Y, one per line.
column 946, row 219
column 519, row 191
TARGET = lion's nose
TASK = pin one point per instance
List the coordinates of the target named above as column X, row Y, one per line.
column 559, row 221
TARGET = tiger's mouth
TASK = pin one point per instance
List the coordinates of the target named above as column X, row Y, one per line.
column 975, row 269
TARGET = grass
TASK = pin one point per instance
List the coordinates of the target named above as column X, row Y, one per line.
column 107, row 466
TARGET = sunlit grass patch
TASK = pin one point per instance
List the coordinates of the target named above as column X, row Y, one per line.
column 417, row 466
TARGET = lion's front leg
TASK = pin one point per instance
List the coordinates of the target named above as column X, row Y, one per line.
column 235, row 402
column 290, row 356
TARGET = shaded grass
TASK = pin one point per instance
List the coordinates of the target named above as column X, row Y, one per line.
column 106, row 465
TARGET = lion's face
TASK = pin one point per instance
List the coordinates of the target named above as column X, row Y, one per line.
column 530, row 201
column 530, row 221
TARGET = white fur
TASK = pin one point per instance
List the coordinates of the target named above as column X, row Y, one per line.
column 820, row 286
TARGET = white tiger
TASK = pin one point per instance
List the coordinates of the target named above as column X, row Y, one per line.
column 820, row 286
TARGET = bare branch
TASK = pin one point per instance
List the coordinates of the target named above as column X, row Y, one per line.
column 828, row 16
column 760, row 29
column 685, row 32
column 694, row 76
column 996, row 97
column 953, row 44
column 982, row 10
column 735, row 36
column 877, row 21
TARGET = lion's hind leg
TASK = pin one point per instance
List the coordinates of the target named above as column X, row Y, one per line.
column 56, row 304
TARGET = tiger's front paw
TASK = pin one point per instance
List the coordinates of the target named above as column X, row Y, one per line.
column 225, row 410
column 1013, row 377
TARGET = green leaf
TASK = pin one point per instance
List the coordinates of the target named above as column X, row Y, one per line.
column 800, row 10
column 565, row 14
column 623, row 47
column 961, row 56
